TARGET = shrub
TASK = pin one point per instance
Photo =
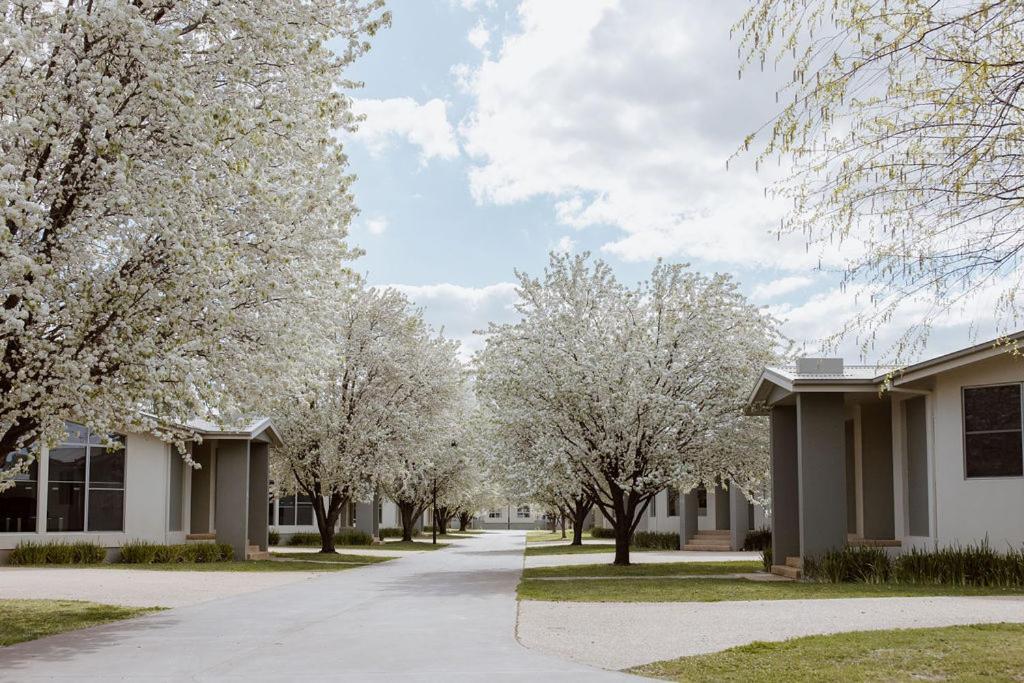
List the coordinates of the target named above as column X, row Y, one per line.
column 851, row 564
column 601, row 532
column 758, row 540
column 227, row 553
column 352, row 537
column 656, row 540
column 766, row 557
column 208, row 552
column 138, row 552
column 80, row 552
column 304, row 538
column 273, row 538
column 393, row 532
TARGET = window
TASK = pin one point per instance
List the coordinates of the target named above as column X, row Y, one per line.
column 86, row 483
column 673, row 502
column 271, row 520
column 494, row 514
column 303, row 510
column 652, row 509
column 992, row 431
column 286, row 511
column 18, row 503
column 523, row 512
column 295, row 510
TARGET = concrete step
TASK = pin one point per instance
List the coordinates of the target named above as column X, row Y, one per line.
column 259, row 555
column 714, row 533
column 794, row 562
column 708, row 547
column 786, row 571
column 714, row 540
column 201, row 537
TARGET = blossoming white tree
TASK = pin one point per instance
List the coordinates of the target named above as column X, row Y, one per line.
column 640, row 388
column 171, row 190
column 365, row 414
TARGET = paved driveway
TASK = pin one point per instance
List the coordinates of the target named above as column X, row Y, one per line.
column 447, row 615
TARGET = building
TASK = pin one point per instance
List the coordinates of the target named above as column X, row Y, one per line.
column 132, row 486
column 513, row 516
column 921, row 456
column 292, row 513
column 715, row 520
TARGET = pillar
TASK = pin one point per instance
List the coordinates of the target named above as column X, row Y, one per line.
column 739, row 513
column 877, row 470
column 366, row 514
column 785, row 489
column 259, row 493
column 722, row 517
column 821, row 467
column 232, row 500
column 687, row 517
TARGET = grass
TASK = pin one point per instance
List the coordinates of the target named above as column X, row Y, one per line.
column 567, row 549
column 406, row 545
column 653, row 569
column 329, row 557
column 540, row 536
column 981, row 652
column 719, row 590
column 237, row 566
column 22, row 620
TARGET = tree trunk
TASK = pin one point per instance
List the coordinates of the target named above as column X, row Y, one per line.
column 327, row 518
column 582, row 505
column 463, row 521
column 622, row 537
column 407, row 512
column 441, row 521
column 562, row 518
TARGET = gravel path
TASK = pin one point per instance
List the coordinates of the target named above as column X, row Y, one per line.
column 641, row 557
column 137, row 587
column 621, row 635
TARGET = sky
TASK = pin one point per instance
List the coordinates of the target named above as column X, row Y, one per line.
column 497, row 131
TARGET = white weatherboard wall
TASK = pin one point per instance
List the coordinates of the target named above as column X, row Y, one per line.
column 146, row 503
column 966, row 510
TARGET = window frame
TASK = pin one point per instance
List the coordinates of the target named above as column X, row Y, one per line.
column 963, row 430
column 89, row 444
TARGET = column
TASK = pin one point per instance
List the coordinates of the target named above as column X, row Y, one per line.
column 739, row 513
column 721, row 509
column 687, row 517
column 821, row 458
column 785, row 489
column 366, row 517
column 232, row 499
column 259, row 494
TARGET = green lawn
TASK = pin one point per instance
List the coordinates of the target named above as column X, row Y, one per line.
column 654, row 569
column 406, row 545
column 985, row 652
column 566, row 549
column 329, row 557
column 540, row 536
column 22, row 620
column 235, row 566
column 718, row 590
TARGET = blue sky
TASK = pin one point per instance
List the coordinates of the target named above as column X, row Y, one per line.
column 498, row 130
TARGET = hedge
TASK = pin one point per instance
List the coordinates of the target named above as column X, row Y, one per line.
column 144, row 552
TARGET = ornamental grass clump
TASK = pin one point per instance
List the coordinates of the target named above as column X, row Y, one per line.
column 758, row 540
column 970, row 565
column 351, row 537
column 852, row 564
column 143, row 552
column 601, row 532
column 656, row 540
column 80, row 552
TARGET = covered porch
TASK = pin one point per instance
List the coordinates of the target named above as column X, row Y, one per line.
column 230, row 490
column 849, row 461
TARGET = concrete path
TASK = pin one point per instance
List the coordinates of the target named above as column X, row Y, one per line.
column 619, row 635
column 447, row 615
column 137, row 587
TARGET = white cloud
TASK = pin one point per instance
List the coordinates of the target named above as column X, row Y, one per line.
column 462, row 311
column 402, row 118
column 776, row 288
column 472, row 5
column 479, row 36
column 376, row 225
column 625, row 113
column 564, row 245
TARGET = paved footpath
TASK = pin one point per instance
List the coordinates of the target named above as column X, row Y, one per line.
column 446, row 615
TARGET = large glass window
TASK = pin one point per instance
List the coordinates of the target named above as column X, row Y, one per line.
column 86, row 483
column 702, row 501
column 523, row 512
column 286, row 511
column 304, row 510
column 18, row 502
column 673, row 502
column 652, row 509
column 992, row 431
column 294, row 510
column 177, row 488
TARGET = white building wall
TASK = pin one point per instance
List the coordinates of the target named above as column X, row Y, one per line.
column 146, row 502
column 967, row 510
